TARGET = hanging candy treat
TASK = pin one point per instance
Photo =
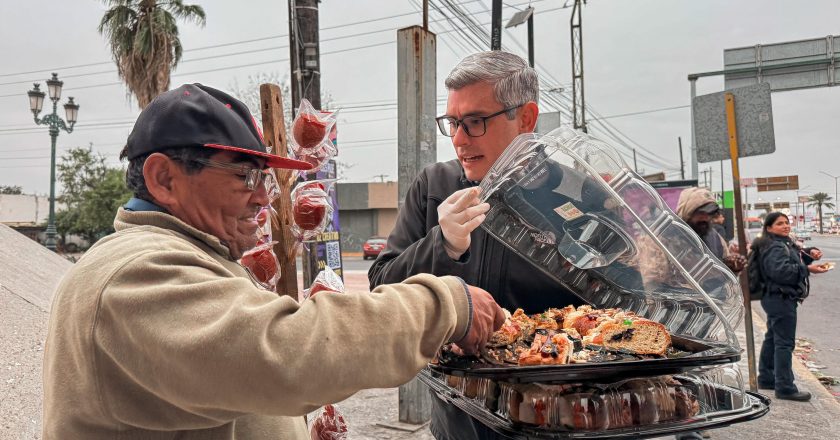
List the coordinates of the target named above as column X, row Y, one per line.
column 311, row 128
column 326, row 281
column 328, row 425
column 264, row 225
column 311, row 208
column 262, row 265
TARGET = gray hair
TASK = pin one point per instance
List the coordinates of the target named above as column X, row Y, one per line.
column 514, row 81
column 136, row 182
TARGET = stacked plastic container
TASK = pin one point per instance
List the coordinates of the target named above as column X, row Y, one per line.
column 568, row 204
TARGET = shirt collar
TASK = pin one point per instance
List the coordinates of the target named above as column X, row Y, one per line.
column 139, row 205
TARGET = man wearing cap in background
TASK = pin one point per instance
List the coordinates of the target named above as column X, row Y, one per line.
column 697, row 207
column 157, row 332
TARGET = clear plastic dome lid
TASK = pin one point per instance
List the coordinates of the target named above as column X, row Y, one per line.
column 568, row 203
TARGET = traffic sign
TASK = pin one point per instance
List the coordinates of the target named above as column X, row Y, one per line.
column 753, row 123
column 779, row 183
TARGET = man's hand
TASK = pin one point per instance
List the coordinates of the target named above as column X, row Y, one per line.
column 816, row 253
column 487, row 318
column 458, row 216
column 735, row 263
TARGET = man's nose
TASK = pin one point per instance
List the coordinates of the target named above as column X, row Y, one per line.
column 461, row 137
column 260, row 195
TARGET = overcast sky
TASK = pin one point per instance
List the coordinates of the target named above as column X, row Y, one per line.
column 637, row 54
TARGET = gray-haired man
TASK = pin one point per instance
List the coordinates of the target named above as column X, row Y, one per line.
column 492, row 99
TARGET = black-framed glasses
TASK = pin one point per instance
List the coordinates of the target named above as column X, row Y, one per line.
column 474, row 126
column 252, row 176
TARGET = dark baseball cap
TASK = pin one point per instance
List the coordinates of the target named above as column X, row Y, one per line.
column 709, row 208
column 195, row 115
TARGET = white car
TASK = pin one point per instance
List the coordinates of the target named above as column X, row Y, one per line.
column 800, row 234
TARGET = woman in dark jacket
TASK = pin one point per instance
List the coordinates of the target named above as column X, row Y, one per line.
column 784, row 271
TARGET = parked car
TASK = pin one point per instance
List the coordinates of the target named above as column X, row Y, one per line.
column 372, row 247
column 801, row 234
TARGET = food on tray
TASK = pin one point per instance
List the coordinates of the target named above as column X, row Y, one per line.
column 548, row 349
column 575, row 335
column 827, row 265
column 579, row 406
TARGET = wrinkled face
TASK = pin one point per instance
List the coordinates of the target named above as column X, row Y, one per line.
column 477, row 154
column 699, row 221
column 780, row 227
column 218, row 202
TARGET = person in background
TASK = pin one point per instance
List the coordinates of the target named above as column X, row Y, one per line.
column 697, row 207
column 785, row 271
column 717, row 222
column 157, row 332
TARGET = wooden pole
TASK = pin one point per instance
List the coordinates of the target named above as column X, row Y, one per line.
column 274, row 132
column 742, row 239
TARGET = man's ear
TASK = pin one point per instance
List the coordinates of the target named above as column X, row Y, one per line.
column 528, row 117
column 159, row 172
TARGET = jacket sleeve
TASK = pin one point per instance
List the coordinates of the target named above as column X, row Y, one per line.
column 411, row 248
column 778, row 267
column 181, row 341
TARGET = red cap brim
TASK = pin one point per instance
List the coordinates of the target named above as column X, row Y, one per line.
column 273, row 160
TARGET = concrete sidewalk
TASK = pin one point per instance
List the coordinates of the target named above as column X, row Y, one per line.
column 368, row 410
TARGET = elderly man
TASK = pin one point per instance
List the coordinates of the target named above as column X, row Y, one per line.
column 492, row 99
column 158, row 333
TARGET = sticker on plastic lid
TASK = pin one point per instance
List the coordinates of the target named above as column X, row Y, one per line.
column 568, row 211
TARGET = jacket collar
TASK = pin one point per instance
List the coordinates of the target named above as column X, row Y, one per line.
column 463, row 177
column 126, row 220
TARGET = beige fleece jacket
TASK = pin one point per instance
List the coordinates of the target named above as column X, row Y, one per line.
column 157, row 334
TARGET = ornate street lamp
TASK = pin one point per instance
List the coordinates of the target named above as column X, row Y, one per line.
column 55, row 124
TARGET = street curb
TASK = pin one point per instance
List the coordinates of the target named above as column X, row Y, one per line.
column 802, row 372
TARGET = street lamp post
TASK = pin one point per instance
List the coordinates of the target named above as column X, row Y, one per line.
column 55, row 124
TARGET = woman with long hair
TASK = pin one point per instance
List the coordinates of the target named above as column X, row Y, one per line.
column 785, row 268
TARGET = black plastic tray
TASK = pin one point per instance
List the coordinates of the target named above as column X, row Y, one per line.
column 759, row 406
column 704, row 355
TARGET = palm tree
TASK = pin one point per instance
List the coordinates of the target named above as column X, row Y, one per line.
column 819, row 200
column 143, row 35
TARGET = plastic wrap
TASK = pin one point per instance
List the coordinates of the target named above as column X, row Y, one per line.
column 311, row 208
column 326, row 280
column 328, row 424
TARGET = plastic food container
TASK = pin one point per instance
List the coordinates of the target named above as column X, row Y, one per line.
column 567, row 203
column 643, row 407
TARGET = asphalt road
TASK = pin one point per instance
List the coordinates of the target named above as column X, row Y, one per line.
column 818, row 319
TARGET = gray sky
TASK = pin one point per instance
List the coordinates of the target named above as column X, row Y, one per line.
column 637, row 56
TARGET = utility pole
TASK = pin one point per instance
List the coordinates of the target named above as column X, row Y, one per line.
column 578, row 103
column 305, row 61
column 711, row 178
column 682, row 162
column 721, row 181
column 304, row 52
column 496, row 26
column 416, row 148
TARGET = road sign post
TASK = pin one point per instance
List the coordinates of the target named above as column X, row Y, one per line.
column 742, row 239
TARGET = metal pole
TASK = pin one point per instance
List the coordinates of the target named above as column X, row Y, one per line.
column 742, row 239
column 426, row 15
column 682, row 162
column 694, row 171
column 496, row 26
column 416, row 148
column 51, row 222
column 721, row 180
column 531, row 40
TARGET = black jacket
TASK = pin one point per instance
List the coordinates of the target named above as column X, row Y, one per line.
column 782, row 267
column 416, row 246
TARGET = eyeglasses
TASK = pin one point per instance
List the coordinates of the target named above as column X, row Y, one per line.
column 474, row 126
column 253, row 176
